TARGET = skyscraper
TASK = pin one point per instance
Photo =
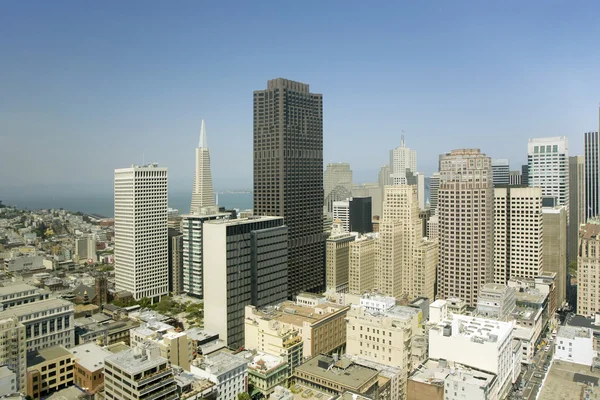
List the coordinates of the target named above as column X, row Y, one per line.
column 577, row 204
column 588, row 269
column 548, row 166
column 402, row 160
column 555, row 247
column 361, row 219
column 203, row 195
column 141, row 241
column 501, row 171
column 337, row 259
column 288, row 174
column 341, row 214
column 591, row 151
column 434, row 185
column 465, row 210
column 338, row 185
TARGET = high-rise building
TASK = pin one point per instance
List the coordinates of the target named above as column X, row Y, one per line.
column 337, row 259
column 203, row 196
column 501, row 171
column 548, row 166
column 364, row 261
column 175, row 262
column 434, row 186
column 425, row 266
column 433, row 227
column 384, row 179
column 555, row 247
column 588, row 269
column 515, row 178
column 525, row 175
column 337, row 184
column 141, row 236
column 518, row 233
column 288, row 174
column 402, row 160
column 248, row 261
column 466, row 213
column 591, row 151
column 576, row 204
column 361, row 219
column 341, row 213
column 420, row 182
column 85, row 249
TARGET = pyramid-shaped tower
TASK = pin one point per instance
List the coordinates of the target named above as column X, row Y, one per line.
column 203, row 196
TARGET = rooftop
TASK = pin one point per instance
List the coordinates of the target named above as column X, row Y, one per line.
column 241, row 221
column 50, row 353
column 435, row 372
column 262, row 362
column 200, row 334
column 220, row 363
column 90, row 356
column 38, row 306
column 289, row 312
column 479, row 330
column 5, row 371
column 572, row 332
column 567, row 381
column 581, row 321
column 18, row 288
column 344, row 372
column 590, row 231
column 494, row 287
column 137, row 360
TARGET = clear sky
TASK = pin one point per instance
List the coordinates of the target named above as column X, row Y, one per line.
column 86, row 87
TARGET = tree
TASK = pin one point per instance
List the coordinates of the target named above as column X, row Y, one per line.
column 244, row 396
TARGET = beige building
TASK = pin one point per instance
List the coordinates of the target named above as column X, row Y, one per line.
column 174, row 346
column 425, row 265
column 89, row 367
column 337, row 184
column 518, row 233
column 555, row 247
column 588, row 269
column 13, row 348
column 337, row 258
column 321, row 325
column 465, row 209
column 49, row 370
column 364, row 261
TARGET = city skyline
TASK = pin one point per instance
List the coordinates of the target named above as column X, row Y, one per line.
column 155, row 116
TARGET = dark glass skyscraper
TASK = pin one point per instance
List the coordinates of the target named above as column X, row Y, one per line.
column 361, row 220
column 592, row 159
column 288, row 174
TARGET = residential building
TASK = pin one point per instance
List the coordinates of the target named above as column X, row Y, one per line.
column 548, row 165
column 555, row 247
column 141, row 241
column 518, row 233
column 203, row 196
column 337, row 183
column 13, row 349
column 139, row 374
column 322, row 325
column 402, row 160
column 577, row 204
column 465, row 210
column 515, row 178
column 591, row 151
column 364, row 260
column 337, row 258
column 434, row 187
column 227, row 371
column 588, row 269
column 85, row 249
column 249, row 265
column 89, row 367
column 175, row 346
column 341, row 213
column 361, row 219
column 17, row 294
column 575, row 345
column 175, row 262
column 500, row 171
column 49, row 370
column 425, row 266
column 8, row 381
column 288, row 174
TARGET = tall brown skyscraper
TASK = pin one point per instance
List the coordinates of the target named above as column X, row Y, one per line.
column 288, row 174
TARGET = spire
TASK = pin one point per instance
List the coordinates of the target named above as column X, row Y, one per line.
column 402, row 140
column 202, row 143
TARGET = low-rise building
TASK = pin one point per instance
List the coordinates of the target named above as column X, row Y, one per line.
column 566, row 380
column 89, row 367
column 16, row 295
column 13, row 348
column 8, row 381
column 396, row 376
column 48, row 370
column 174, row 346
column 575, row 345
column 227, row 371
column 265, row 371
column 103, row 332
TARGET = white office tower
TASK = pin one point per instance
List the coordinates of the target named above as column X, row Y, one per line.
column 141, row 232
column 466, row 226
column 518, row 233
column 85, row 249
column 434, row 185
column 203, row 196
column 420, row 182
column 341, row 213
column 501, row 171
column 337, row 182
column 548, row 166
column 402, row 160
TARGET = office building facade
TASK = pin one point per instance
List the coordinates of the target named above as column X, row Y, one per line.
column 403, row 161
column 577, row 212
column 501, row 171
column 588, row 269
column 434, row 185
column 555, row 247
column 341, row 214
column 361, row 218
column 591, row 151
column 337, row 185
column 548, row 166
column 364, row 261
column 337, row 259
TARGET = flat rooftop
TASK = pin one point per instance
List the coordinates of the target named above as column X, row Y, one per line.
column 90, row 356
column 263, row 363
column 566, row 381
column 494, row 288
column 133, row 363
column 5, row 371
column 200, row 334
column 241, row 221
column 479, row 330
column 435, row 372
column 220, row 363
column 572, row 332
column 581, row 321
column 344, row 372
column 18, row 288
column 289, row 312
column 36, row 306
column 51, row 353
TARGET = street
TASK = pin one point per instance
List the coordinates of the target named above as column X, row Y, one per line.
column 533, row 376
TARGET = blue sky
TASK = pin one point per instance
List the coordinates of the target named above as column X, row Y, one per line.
column 86, row 87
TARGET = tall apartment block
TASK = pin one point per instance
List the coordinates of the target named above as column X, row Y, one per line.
column 548, row 166
column 402, row 160
column 175, row 262
column 518, row 233
column 361, row 218
column 591, row 151
column 337, row 259
column 364, row 262
column 588, row 269
column 434, row 186
column 466, row 212
column 141, row 236
column 577, row 204
column 501, row 171
column 248, row 261
column 288, row 174
column 341, row 213
column 337, row 185
column 555, row 247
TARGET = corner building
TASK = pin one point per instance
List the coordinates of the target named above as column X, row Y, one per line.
column 288, row 174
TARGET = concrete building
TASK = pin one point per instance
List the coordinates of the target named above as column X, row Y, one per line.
column 49, row 370
column 337, row 258
column 227, row 371
column 141, row 241
column 433, row 227
column 13, row 349
column 8, row 381
column 193, row 261
column 322, row 325
column 588, row 269
column 337, row 183
column 364, row 261
column 576, row 204
column 575, row 345
column 265, row 371
column 434, row 187
column 139, row 374
column 174, row 346
column 496, row 301
column 341, row 213
column 500, row 171
column 288, row 175
column 515, row 178
column 255, row 252
column 203, row 196
column 175, row 262
column 402, row 160
column 361, row 218
column 591, row 153
column 23, row 263
column 518, row 233
column 548, row 165
column 88, row 368
column 555, row 247
column 465, row 209
column 425, row 266
column 18, row 294
column 47, row 323
column 85, row 249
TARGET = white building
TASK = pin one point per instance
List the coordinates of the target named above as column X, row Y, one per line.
column 433, row 227
column 337, row 184
column 434, row 186
column 203, row 196
column 228, row 372
column 341, row 212
column 85, row 248
column 548, row 165
column 141, row 231
column 8, row 381
column 575, row 344
column 377, row 302
column 402, row 159
column 500, row 171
